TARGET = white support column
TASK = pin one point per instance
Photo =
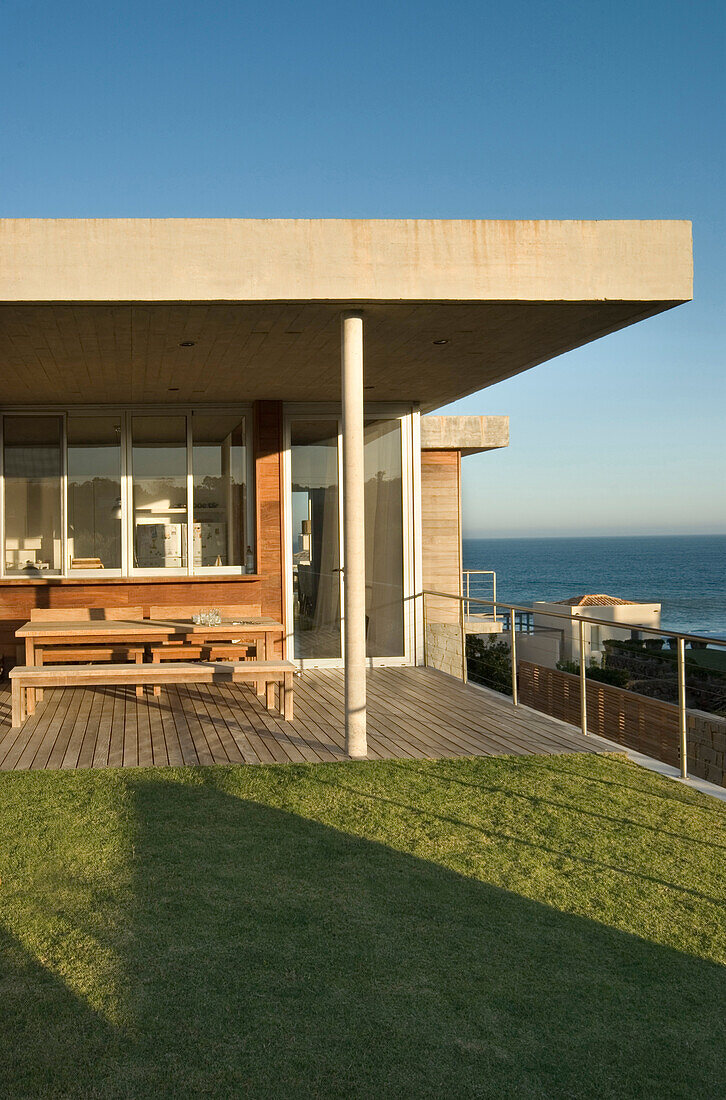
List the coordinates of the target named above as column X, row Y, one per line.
column 354, row 550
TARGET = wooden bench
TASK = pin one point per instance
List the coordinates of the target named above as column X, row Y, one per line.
column 24, row 678
column 81, row 655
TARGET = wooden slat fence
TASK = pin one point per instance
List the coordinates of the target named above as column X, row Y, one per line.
column 645, row 725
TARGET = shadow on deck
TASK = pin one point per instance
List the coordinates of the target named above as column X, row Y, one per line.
column 413, row 713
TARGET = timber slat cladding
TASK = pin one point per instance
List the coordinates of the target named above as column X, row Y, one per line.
column 413, row 713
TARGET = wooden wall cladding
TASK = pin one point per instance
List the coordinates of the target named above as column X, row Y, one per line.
column 268, row 505
column 265, row 589
column 441, row 530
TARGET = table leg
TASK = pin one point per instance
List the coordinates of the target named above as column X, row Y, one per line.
column 140, row 687
column 155, row 661
column 30, row 662
column 260, row 649
column 286, row 707
column 39, row 662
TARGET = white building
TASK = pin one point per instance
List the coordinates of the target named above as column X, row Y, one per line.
column 556, row 639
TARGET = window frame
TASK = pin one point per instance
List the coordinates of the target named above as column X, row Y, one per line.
column 126, row 413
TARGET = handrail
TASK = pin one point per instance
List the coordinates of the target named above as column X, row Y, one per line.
column 467, row 573
column 585, row 618
column 680, row 637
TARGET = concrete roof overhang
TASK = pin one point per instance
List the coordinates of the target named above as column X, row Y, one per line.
column 98, row 311
column 469, row 435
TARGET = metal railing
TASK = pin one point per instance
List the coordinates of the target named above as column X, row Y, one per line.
column 524, row 622
column 467, row 574
column 509, row 612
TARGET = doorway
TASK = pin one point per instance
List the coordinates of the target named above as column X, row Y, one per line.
column 316, row 574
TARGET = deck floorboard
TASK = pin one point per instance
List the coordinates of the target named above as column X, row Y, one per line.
column 413, row 713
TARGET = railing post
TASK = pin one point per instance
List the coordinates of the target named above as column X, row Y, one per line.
column 494, row 596
column 583, row 680
column 425, row 634
column 462, row 622
column 683, row 748
column 513, row 651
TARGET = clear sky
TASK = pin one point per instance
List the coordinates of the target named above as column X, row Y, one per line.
column 475, row 110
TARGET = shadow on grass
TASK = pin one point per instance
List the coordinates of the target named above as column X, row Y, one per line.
column 49, row 1034
column 446, row 776
column 265, row 954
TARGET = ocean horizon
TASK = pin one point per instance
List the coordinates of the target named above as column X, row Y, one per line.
column 686, row 574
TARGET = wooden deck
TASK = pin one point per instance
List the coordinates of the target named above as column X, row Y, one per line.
column 413, row 712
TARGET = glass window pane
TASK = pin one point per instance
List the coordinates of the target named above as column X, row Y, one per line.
column 219, row 462
column 33, row 532
column 159, row 472
column 384, row 539
column 94, row 492
column 315, row 538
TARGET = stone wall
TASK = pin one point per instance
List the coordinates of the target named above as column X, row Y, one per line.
column 707, row 745
column 443, row 648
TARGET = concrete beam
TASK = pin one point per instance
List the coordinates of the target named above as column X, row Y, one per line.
column 467, row 434
column 343, row 260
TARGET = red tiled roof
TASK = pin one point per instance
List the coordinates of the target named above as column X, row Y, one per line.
column 595, row 600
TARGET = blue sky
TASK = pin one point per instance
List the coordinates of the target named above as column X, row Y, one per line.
column 532, row 110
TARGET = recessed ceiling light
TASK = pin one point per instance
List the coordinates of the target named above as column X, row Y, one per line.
column 440, row 343
column 187, row 344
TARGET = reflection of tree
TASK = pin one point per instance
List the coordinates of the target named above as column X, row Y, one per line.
column 211, row 490
column 93, row 519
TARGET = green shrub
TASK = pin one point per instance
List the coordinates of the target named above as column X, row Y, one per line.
column 489, row 663
column 618, row 677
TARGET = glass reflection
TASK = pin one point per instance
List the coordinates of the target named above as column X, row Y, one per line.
column 159, row 468
column 384, row 539
column 315, row 538
column 94, row 492
column 219, row 462
column 33, row 531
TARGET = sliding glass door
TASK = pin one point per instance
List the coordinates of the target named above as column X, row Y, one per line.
column 315, row 553
column 384, row 538
column 315, row 549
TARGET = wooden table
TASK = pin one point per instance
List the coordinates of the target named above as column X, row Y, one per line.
column 42, row 635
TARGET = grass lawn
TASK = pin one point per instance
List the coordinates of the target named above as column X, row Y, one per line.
column 512, row 927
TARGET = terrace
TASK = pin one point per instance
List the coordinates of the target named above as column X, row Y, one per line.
column 414, row 713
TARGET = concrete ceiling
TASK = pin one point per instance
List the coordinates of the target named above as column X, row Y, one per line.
column 120, row 353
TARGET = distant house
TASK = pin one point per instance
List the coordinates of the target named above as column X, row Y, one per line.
column 555, row 639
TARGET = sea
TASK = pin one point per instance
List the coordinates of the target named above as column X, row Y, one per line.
column 686, row 574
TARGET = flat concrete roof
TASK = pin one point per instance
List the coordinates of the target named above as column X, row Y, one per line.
column 468, row 434
column 98, row 309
